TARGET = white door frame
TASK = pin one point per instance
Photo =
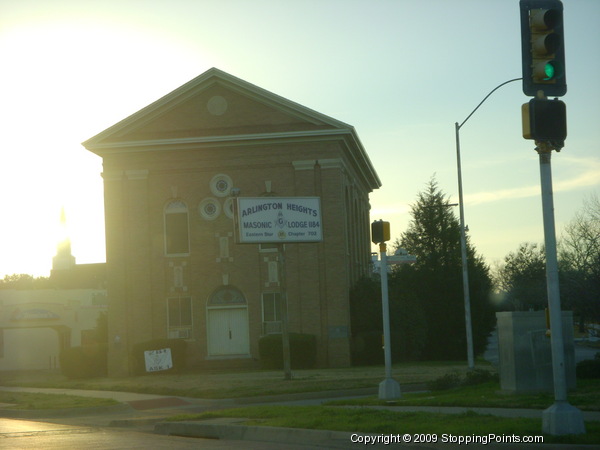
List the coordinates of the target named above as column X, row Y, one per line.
column 237, row 331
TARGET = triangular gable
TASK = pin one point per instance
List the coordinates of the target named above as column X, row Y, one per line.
column 214, row 104
column 218, row 108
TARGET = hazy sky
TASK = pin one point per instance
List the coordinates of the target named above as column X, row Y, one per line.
column 402, row 72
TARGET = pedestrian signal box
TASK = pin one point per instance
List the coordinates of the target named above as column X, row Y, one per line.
column 380, row 231
column 544, row 120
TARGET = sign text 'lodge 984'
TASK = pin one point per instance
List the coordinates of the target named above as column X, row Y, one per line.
column 278, row 220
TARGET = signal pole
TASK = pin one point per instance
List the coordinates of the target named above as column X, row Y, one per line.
column 560, row 418
column 389, row 389
column 543, row 55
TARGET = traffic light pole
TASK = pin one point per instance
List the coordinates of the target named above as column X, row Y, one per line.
column 389, row 389
column 543, row 58
column 463, row 237
column 560, row 418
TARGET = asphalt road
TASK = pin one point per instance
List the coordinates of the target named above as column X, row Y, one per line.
column 26, row 434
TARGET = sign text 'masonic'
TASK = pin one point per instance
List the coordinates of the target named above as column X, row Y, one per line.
column 276, row 220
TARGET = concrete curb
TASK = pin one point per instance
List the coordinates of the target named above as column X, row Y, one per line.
column 219, row 430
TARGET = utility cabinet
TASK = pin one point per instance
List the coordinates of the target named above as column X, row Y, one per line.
column 525, row 355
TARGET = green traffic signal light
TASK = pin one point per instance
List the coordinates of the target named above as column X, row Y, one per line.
column 546, row 71
column 553, row 70
column 542, row 44
column 549, row 71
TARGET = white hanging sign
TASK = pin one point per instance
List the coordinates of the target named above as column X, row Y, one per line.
column 277, row 220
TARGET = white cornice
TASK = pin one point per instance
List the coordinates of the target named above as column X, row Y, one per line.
column 237, row 139
column 354, row 149
column 137, row 174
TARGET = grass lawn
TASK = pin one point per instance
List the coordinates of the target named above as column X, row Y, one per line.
column 367, row 420
column 211, row 384
column 354, row 416
column 227, row 384
column 586, row 397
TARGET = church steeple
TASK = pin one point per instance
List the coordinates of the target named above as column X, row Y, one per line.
column 63, row 259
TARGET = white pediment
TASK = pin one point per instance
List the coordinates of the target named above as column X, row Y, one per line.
column 214, row 105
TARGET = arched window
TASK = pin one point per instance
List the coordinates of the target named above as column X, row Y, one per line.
column 226, row 296
column 177, row 240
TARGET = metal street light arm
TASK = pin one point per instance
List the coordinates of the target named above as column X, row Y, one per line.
column 463, row 238
column 486, row 97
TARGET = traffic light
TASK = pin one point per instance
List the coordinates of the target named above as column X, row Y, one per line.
column 542, row 47
column 545, row 120
column 380, row 231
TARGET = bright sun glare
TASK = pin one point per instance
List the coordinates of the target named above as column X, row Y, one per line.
column 66, row 84
column 45, row 166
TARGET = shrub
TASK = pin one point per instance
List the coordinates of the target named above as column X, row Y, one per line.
column 589, row 368
column 178, row 354
column 453, row 379
column 478, row 376
column 448, row 381
column 89, row 361
column 303, row 351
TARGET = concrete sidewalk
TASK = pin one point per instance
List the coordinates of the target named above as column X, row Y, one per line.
column 147, row 412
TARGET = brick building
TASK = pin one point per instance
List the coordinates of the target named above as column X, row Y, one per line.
column 173, row 266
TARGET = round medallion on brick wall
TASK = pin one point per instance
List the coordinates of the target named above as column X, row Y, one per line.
column 221, row 185
column 217, row 105
column 209, row 208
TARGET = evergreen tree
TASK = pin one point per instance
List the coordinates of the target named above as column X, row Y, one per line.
column 435, row 280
